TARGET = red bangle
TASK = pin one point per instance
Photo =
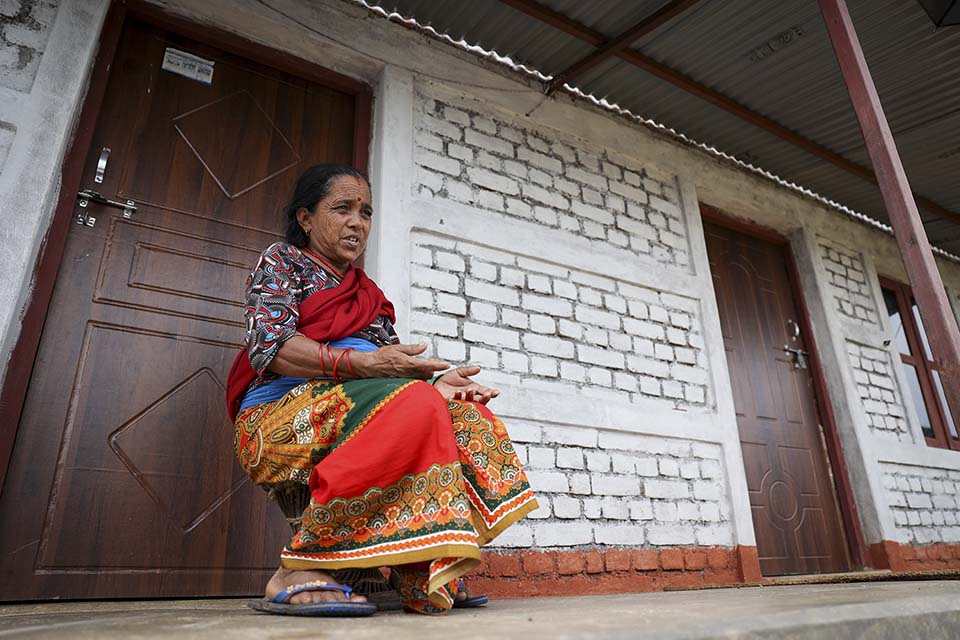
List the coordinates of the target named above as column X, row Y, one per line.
column 336, row 363
column 350, row 365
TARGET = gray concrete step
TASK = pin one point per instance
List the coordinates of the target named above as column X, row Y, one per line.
column 875, row 611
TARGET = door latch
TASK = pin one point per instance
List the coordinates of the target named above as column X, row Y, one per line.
column 85, row 197
column 799, row 356
column 83, row 216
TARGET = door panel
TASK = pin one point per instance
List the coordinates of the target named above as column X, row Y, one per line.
column 175, row 273
column 793, row 501
column 123, row 481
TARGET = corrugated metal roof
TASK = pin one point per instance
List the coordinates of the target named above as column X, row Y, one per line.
column 797, row 84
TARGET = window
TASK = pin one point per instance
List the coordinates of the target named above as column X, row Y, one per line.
column 920, row 370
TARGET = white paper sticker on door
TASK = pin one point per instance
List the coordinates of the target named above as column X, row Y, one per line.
column 187, row 65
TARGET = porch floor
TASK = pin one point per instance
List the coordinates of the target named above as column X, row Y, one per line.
column 913, row 609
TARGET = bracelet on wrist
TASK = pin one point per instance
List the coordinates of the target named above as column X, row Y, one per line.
column 336, row 364
column 350, row 365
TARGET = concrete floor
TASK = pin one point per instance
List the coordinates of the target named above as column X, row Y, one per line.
column 900, row 610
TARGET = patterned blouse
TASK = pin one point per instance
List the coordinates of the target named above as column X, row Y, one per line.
column 283, row 278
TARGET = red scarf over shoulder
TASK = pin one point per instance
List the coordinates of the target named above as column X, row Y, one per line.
column 327, row 315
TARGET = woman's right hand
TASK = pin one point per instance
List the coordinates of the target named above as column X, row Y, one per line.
column 396, row 361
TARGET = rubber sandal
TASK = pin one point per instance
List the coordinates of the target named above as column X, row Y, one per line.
column 335, row 608
column 470, row 601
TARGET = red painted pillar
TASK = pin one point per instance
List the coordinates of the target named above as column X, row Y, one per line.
column 938, row 319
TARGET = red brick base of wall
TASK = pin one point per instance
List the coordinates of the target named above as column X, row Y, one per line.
column 524, row 574
column 904, row 557
column 553, row 573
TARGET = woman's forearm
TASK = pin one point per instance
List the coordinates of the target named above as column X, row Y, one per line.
column 301, row 357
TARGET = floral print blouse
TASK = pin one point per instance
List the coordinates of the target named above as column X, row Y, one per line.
column 283, row 278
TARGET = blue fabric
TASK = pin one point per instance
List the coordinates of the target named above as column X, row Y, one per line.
column 279, row 387
column 357, row 344
column 273, row 390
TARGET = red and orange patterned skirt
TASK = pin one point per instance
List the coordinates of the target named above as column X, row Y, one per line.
column 397, row 477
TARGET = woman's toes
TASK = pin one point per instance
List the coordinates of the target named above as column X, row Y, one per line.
column 285, row 578
column 326, row 595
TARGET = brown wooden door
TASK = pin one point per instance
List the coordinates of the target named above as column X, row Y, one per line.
column 792, row 496
column 123, row 481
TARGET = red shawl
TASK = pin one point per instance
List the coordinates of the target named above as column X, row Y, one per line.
column 327, row 315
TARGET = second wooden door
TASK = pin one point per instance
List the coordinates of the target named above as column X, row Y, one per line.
column 796, row 516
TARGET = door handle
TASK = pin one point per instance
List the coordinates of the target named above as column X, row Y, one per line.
column 102, row 165
column 795, row 328
column 85, row 197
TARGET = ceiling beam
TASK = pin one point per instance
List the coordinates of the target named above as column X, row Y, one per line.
column 595, row 38
column 654, row 21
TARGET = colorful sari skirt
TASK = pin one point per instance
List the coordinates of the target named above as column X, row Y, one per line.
column 397, row 477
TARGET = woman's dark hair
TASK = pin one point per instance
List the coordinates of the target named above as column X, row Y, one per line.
column 312, row 187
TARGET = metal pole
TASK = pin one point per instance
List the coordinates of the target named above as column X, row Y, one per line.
column 941, row 326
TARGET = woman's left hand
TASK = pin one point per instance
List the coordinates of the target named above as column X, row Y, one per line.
column 457, row 385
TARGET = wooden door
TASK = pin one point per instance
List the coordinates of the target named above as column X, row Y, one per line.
column 123, row 481
column 792, row 496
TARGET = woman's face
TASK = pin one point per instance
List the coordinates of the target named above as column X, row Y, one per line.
column 337, row 229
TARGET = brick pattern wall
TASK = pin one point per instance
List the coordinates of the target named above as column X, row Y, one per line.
column 848, row 281
column 931, row 557
column 471, row 158
column 594, row 571
column 24, row 29
column 598, row 487
column 878, row 392
column 558, row 328
column 924, row 501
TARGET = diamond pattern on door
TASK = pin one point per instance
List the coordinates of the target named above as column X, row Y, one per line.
column 165, row 464
column 227, row 134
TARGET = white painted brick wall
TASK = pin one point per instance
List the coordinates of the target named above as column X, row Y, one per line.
column 879, row 392
column 465, row 156
column 848, row 282
column 924, row 501
column 535, row 320
column 24, row 29
column 609, row 488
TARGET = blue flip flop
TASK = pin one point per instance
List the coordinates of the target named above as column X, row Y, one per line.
column 470, row 601
column 336, row 608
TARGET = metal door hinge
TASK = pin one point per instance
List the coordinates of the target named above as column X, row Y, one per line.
column 85, row 197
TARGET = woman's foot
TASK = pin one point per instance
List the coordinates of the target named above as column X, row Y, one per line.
column 463, row 593
column 284, row 578
column 464, row 598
